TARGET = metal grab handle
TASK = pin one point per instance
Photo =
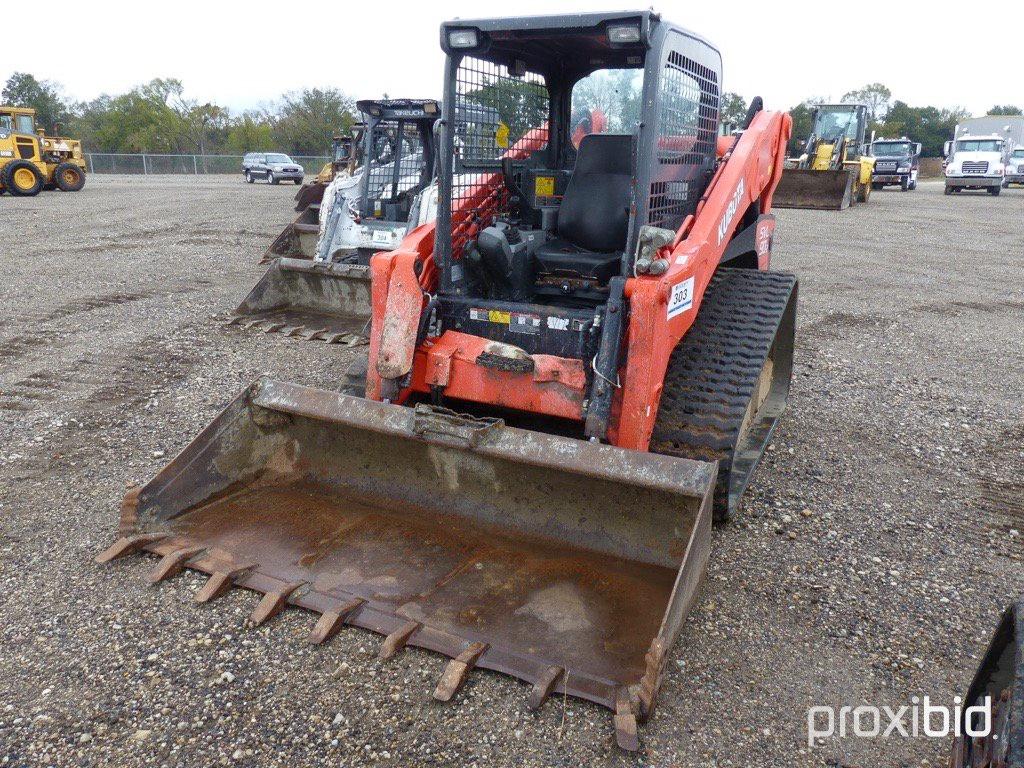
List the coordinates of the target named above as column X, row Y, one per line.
column 446, row 426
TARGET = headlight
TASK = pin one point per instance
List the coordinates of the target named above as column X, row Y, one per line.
column 951, row 170
column 624, row 33
column 463, row 38
column 903, row 168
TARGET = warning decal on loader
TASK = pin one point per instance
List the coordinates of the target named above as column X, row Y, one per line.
column 681, row 298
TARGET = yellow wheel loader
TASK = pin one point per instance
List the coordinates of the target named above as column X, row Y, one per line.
column 834, row 170
column 31, row 161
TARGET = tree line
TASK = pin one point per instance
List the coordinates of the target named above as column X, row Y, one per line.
column 890, row 118
column 156, row 117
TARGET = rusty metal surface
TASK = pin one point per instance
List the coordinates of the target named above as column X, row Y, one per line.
column 818, row 190
column 298, row 239
column 567, row 564
column 317, row 302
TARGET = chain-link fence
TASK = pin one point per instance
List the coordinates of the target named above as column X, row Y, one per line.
column 106, row 162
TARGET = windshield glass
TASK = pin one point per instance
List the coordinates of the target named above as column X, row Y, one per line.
column 275, row 158
column 607, row 100
column 5, row 123
column 832, row 123
column 891, row 148
column 979, row 145
column 1018, row 154
column 25, row 124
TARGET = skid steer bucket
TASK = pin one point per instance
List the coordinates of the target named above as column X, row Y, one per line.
column 298, row 239
column 567, row 564
column 300, row 297
column 820, row 190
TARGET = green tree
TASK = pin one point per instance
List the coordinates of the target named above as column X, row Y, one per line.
column 306, row 121
column 45, row 97
column 875, row 95
column 734, row 109
column 930, row 126
column 250, row 133
column 1005, row 109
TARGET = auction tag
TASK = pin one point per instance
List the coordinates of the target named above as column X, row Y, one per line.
column 681, row 298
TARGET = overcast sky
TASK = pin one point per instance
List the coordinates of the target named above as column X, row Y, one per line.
column 245, row 55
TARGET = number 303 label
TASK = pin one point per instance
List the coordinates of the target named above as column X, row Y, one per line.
column 681, row 298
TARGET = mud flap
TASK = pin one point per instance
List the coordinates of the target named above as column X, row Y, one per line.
column 299, row 297
column 819, row 190
column 567, row 564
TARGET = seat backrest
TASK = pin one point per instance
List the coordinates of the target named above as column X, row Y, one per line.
column 595, row 207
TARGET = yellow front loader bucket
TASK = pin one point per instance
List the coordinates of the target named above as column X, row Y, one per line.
column 819, row 190
column 307, row 299
column 567, row 564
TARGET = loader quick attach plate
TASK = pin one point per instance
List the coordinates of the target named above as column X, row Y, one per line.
column 817, row 190
column 300, row 297
column 566, row 564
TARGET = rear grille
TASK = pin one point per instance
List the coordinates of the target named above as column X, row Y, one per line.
column 977, row 166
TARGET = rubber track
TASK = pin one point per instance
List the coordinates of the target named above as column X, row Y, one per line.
column 712, row 373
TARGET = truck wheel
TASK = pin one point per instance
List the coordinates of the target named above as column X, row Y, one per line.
column 904, row 183
column 949, row 190
column 248, row 178
column 876, row 185
column 995, row 191
column 23, row 179
column 68, row 177
column 298, row 182
column 913, row 185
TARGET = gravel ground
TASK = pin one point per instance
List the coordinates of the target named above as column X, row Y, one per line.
column 877, row 546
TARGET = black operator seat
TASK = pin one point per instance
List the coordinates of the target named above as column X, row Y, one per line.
column 594, row 215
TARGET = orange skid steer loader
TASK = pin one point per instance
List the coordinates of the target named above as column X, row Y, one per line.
column 570, row 373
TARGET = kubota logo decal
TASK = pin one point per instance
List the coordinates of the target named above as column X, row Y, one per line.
column 730, row 212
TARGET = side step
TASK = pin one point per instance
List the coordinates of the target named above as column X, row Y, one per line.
column 728, row 380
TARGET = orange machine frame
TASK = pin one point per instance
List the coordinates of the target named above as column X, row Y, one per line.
column 748, row 172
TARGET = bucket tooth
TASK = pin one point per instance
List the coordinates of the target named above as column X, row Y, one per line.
column 292, row 330
column 331, row 622
column 220, row 582
column 128, row 545
column 625, row 722
column 396, row 641
column 314, row 333
column 272, row 327
column 457, row 671
column 273, row 603
column 173, row 563
column 544, row 685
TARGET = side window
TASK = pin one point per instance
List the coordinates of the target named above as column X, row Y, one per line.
column 607, row 100
column 5, row 123
column 687, row 129
column 25, row 124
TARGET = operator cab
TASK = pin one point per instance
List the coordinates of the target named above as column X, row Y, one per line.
column 399, row 154
column 603, row 128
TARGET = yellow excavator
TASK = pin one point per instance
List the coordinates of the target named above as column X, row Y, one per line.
column 834, row 168
column 31, row 161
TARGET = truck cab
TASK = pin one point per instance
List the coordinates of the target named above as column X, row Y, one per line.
column 975, row 162
column 897, row 161
column 1014, row 172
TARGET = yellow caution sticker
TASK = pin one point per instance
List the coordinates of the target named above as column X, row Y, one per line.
column 499, row 317
column 544, row 186
column 501, row 136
